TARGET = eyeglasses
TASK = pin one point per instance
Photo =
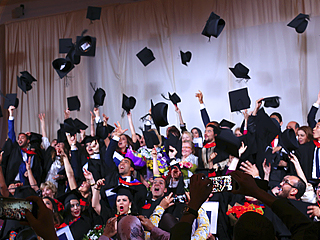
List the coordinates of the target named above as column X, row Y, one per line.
column 286, row 181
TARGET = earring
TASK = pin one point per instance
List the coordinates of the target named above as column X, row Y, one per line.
column 129, row 210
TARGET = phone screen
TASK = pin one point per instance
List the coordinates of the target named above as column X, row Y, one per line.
column 14, row 208
column 222, row 183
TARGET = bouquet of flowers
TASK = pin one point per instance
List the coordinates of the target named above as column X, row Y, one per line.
column 94, row 233
column 187, row 166
column 237, row 210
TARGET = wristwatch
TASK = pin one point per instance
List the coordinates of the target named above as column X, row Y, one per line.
column 188, row 210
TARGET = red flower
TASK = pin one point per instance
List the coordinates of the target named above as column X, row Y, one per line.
column 98, row 227
column 59, row 205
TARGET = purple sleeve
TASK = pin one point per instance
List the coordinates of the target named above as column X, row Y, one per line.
column 137, row 160
column 159, row 234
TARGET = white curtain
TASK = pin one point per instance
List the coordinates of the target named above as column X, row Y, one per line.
column 281, row 62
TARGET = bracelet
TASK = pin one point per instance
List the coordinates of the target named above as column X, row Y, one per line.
column 92, row 184
column 188, row 210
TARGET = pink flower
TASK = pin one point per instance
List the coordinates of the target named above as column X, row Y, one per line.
column 188, row 164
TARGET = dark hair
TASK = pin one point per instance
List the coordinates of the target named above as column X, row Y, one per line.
column 297, row 125
column 67, row 216
column 56, row 216
column 131, row 162
column 301, row 187
column 278, row 115
column 198, row 130
column 129, row 141
column 308, row 131
column 174, row 130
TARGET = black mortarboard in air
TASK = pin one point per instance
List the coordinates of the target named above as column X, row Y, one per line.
column 150, row 138
column 73, row 56
column 299, row 23
column 239, row 99
column 73, row 103
column 103, row 131
column 226, row 123
column 93, row 13
column 289, row 140
column 11, row 100
column 214, row 26
column 125, row 190
column 86, row 46
column 79, row 124
column 25, row 81
column 65, row 45
column 174, row 98
column 88, row 139
column 1, row 115
column 70, row 126
column 159, row 114
column 228, row 142
column 146, row 56
column 240, row 71
column 273, row 102
column 128, row 103
column 185, row 57
column 98, row 97
column 62, row 66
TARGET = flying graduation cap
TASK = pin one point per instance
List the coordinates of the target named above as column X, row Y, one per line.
column 300, row 22
column 25, row 81
column 73, row 103
column 239, row 99
column 99, row 96
column 214, row 26
column 128, row 103
column 93, row 13
column 240, row 71
column 10, row 100
column 185, row 57
column 159, row 114
column 145, row 56
column 174, row 98
column 273, row 102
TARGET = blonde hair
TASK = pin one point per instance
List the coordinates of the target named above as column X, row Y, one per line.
column 188, row 133
column 49, row 185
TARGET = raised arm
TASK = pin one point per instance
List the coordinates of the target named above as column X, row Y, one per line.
column 183, row 127
column 257, row 107
column 204, row 114
column 3, row 186
column 70, row 175
column 11, row 133
column 32, row 180
column 154, row 155
column 132, row 130
column 45, row 140
column 297, row 166
column 95, row 187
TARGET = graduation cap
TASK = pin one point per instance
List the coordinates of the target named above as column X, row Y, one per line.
column 174, row 98
column 125, row 190
column 214, row 26
column 239, row 99
column 174, row 141
column 74, row 126
column 228, row 142
column 35, row 137
column 61, row 134
column 24, row 191
column 289, row 140
column 145, row 56
column 10, row 100
column 73, row 194
column 93, row 13
column 300, row 22
column 86, row 46
column 159, row 114
column 73, row 103
column 1, row 115
column 128, row 103
column 240, row 71
column 73, row 56
column 62, row 66
column 88, row 139
column 65, row 45
column 103, row 131
column 79, row 124
column 150, row 138
column 185, row 57
column 98, row 97
column 273, row 102
column 25, row 81
column 226, row 123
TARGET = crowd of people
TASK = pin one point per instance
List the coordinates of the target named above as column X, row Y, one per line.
column 110, row 185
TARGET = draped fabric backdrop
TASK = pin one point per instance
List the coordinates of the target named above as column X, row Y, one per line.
column 281, row 62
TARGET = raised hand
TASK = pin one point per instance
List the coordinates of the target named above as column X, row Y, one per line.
column 199, row 95
column 67, row 113
column 249, row 168
column 167, row 201
column 119, row 131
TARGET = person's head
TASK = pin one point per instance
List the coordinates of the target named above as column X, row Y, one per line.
column 187, row 148
column 123, row 204
column 124, row 142
column 316, row 131
column 72, row 208
column 60, row 147
column 304, row 134
column 196, row 132
column 186, row 136
column 54, row 142
column 84, row 187
column 174, row 130
column 12, row 187
column 292, row 187
column 130, row 228
column 75, row 208
column 49, row 202
column 277, row 116
column 23, row 140
column 293, row 125
column 237, row 132
column 209, row 134
column 91, row 146
column 126, row 167
column 48, row 189
column 158, row 188
column 252, row 225
column 141, row 140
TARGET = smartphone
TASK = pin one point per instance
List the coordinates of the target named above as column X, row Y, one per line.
column 222, row 183
column 15, row 208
